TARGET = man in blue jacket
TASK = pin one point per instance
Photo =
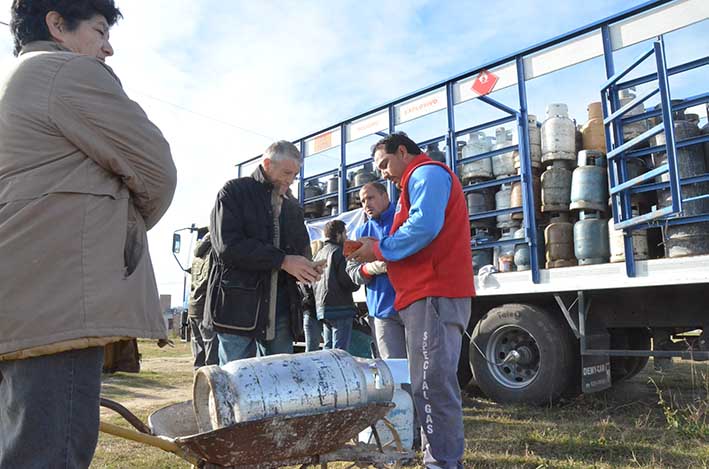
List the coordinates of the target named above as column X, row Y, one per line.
column 386, row 325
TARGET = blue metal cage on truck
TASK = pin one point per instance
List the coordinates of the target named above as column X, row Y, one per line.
column 603, row 50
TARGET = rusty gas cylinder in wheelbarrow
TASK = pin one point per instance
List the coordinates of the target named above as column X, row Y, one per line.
column 302, row 384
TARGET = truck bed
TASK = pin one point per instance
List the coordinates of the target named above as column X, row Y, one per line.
column 655, row 272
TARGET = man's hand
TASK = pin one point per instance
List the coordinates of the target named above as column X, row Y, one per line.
column 302, row 269
column 366, row 252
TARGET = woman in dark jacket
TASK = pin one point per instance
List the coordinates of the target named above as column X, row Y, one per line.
column 333, row 292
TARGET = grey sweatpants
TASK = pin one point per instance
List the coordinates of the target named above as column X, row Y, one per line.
column 391, row 337
column 434, row 328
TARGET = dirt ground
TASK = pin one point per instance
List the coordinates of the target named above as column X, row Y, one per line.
column 658, row 419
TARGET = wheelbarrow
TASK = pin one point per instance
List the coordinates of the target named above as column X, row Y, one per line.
column 268, row 443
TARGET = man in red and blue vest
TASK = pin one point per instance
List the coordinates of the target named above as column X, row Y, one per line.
column 430, row 266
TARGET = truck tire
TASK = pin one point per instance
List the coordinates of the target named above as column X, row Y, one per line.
column 623, row 368
column 522, row 354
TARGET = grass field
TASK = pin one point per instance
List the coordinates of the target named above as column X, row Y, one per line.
column 655, row 420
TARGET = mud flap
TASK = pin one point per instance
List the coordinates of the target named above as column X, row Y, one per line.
column 596, row 369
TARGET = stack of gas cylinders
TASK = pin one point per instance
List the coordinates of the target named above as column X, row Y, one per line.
column 569, row 181
column 570, row 190
column 693, row 238
column 331, row 185
column 359, row 178
column 500, row 196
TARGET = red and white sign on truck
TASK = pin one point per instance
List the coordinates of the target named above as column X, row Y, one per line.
column 484, row 83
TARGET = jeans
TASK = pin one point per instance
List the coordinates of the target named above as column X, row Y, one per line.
column 49, row 410
column 236, row 347
column 313, row 332
column 205, row 349
column 338, row 333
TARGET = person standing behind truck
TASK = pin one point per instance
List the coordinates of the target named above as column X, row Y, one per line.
column 260, row 244
column 386, row 324
column 430, row 266
column 333, row 292
column 84, row 174
column 204, row 342
column 312, row 326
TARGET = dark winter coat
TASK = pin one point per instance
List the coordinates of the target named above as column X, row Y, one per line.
column 333, row 292
column 243, row 257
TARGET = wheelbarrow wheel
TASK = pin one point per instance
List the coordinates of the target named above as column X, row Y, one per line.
column 395, row 441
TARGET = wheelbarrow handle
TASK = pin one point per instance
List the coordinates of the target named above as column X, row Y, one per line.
column 156, row 441
column 126, row 414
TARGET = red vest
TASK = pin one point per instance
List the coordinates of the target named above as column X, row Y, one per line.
column 443, row 268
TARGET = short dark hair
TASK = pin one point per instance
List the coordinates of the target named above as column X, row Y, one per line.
column 376, row 185
column 28, row 23
column 334, row 228
column 391, row 143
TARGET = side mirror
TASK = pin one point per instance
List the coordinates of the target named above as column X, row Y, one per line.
column 176, row 241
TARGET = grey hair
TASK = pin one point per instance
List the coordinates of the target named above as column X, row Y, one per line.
column 282, row 149
column 378, row 186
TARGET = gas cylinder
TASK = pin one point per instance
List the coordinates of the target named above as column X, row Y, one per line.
column 313, row 188
column 591, row 244
column 479, row 202
column 579, row 138
column 535, row 144
column 503, row 256
column 516, row 196
column 363, row 176
column 686, row 240
column 589, row 185
column 502, row 201
column 521, row 257
column 556, row 187
column 690, row 163
column 300, row 384
column 593, row 133
column 676, row 115
column 634, row 129
column 459, row 145
column 635, row 167
column 692, row 118
column 481, row 169
column 521, row 252
column 559, row 242
column 482, row 257
column 435, row 153
column 689, row 239
column 333, row 185
column 353, row 202
column 503, row 164
column 558, row 134
column 617, row 243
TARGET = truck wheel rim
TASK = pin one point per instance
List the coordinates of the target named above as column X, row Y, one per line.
column 519, row 347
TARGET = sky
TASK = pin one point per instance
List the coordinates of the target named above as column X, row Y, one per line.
column 224, row 79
